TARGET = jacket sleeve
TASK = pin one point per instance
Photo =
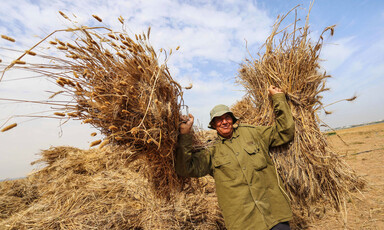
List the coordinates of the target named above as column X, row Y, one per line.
column 283, row 129
column 188, row 164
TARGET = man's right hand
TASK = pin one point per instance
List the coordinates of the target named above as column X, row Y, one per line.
column 272, row 90
column 186, row 124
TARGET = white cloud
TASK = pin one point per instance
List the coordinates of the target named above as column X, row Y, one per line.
column 213, row 32
column 337, row 52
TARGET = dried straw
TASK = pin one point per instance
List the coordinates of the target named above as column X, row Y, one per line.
column 117, row 85
column 102, row 189
column 312, row 173
column 16, row 196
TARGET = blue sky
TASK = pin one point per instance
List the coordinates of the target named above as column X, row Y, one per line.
column 212, row 37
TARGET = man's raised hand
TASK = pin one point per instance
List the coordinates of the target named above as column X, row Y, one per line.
column 272, row 90
column 186, row 124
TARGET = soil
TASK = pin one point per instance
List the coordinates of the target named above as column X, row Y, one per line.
column 363, row 149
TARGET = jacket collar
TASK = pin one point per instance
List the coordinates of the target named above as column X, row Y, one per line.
column 235, row 135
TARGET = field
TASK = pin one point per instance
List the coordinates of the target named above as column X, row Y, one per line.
column 363, row 149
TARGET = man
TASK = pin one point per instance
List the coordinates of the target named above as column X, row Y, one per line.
column 249, row 191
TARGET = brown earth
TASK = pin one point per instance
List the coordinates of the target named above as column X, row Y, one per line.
column 363, row 149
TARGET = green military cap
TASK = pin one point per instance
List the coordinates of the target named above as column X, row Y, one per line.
column 220, row 110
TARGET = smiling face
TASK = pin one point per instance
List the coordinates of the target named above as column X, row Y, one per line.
column 223, row 125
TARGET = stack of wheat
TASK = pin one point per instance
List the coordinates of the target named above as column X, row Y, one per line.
column 116, row 84
column 312, row 173
column 101, row 189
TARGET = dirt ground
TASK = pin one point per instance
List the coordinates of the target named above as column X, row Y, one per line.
column 364, row 152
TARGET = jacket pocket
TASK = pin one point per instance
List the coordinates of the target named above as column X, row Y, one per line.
column 256, row 156
column 223, row 169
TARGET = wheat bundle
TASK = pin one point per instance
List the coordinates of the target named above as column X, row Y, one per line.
column 116, row 84
column 103, row 189
column 312, row 173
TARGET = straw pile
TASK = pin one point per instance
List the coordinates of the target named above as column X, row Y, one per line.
column 16, row 196
column 101, row 189
column 313, row 174
column 116, row 84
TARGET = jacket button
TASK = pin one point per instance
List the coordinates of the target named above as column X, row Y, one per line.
column 244, row 168
column 237, row 153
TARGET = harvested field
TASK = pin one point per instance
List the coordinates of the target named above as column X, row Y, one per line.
column 365, row 154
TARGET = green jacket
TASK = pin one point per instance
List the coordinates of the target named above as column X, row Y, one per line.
column 247, row 184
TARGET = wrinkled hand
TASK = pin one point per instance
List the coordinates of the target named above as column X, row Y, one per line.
column 186, row 124
column 272, row 90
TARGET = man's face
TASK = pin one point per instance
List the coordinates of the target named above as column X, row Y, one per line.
column 224, row 125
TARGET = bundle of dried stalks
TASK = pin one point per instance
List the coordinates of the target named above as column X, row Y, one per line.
column 116, row 84
column 311, row 172
column 15, row 196
column 102, row 189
